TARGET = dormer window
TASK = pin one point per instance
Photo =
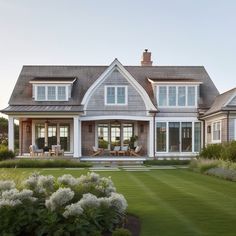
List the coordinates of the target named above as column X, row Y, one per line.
column 177, row 96
column 52, row 89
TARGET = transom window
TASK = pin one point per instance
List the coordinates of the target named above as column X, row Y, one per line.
column 216, row 131
column 51, row 92
column 176, row 96
column 115, row 95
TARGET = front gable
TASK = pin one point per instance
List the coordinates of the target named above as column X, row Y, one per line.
column 116, row 79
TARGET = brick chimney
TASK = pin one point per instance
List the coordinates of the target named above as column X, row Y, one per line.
column 146, row 59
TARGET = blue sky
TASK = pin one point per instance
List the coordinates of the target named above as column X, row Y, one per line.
column 89, row 32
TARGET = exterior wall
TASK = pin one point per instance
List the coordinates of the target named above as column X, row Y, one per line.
column 209, row 121
column 88, row 137
column 143, row 127
column 224, row 131
column 96, row 105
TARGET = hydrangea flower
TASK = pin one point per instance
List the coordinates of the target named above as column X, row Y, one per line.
column 68, row 180
column 6, row 185
column 73, row 210
column 46, row 182
column 118, row 201
column 89, row 200
column 59, row 198
column 9, row 203
column 15, row 197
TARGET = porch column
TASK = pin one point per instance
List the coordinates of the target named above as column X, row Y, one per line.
column 151, row 138
column 77, row 137
column 11, row 133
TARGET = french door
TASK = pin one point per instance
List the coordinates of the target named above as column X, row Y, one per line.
column 114, row 134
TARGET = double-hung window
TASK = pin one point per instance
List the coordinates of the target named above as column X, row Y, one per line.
column 116, row 95
column 61, row 93
column 216, row 131
column 51, row 93
column 41, row 93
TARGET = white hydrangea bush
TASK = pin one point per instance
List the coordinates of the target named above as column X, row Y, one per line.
column 74, row 203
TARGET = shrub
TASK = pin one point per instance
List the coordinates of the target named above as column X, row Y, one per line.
column 167, row 162
column 202, row 165
column 223, row 173
column 212, row 151
column 121, row 232
column 45, row 205
column 229, row 151
column 6, row 154
column 23, row 163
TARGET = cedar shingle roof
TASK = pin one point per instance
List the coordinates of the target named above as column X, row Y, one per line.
column 87, row 75
column 220, row 103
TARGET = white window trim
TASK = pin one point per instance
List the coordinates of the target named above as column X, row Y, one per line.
column 234, row 129
column 212, row 131
column 116, row 104
column 177, row 88
column 35, row 92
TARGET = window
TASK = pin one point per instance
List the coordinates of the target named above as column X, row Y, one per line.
column 178, row 137
column 116, row 95
column 162, row 96
column 111, row 95
column 191, row 96
column 51, row 93
column 41, row 93
column 181, row 96
column 172, row 96
column 61, row 93
column 65, row 136
column 197, row 136
column 216, row 134
column 161, row 136
column 176, row 96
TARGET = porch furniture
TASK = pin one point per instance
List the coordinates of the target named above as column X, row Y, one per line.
column 114, row 152
column 56, row 150
column 123, row 151
column 96, row 151
column 35, row 151
column 136, row 151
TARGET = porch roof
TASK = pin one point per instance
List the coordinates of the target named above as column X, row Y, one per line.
column 42, row 108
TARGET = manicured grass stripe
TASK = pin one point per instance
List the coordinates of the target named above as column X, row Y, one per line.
column 171, row 211
column 199, row 193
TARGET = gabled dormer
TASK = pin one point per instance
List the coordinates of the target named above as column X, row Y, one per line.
column 176, row 93
column 52, row 88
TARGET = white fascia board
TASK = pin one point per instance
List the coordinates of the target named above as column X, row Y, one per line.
column 92, row 118
column 174, row 82
column 176, row 119
column 117, row 65
column 52, row 82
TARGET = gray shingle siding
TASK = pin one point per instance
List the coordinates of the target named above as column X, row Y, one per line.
column 96, row 104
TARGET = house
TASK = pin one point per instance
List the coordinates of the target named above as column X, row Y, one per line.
column 169, row 108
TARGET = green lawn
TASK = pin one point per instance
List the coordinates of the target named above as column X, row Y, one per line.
column 172, row 202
